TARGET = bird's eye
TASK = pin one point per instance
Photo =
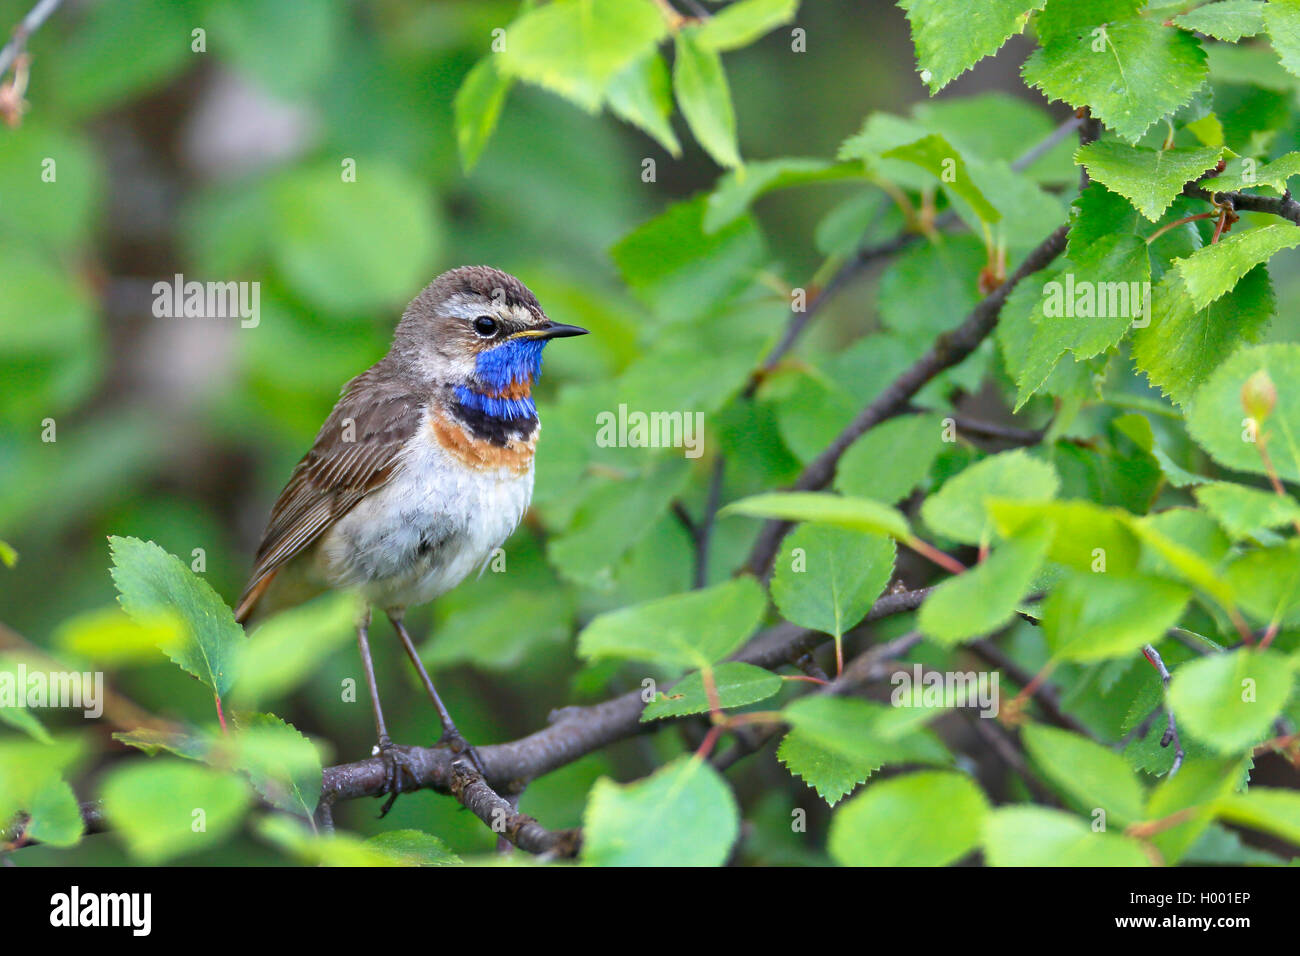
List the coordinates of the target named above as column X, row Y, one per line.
column 486, row 326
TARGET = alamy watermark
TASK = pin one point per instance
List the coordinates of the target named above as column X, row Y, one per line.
column 634, row 429
column 922, row 688
column 179, row 299
column 35, row 689
column 1085, row 299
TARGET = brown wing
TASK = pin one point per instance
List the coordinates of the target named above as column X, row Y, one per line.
column 355, row 453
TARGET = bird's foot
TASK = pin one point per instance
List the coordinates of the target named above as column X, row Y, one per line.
column 397, row 764
column 459, row 747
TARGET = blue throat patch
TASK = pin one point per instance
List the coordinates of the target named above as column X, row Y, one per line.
column 515, row 360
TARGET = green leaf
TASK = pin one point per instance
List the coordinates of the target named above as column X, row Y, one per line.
column 1249, row 65
column 117, row 53
column 191, row 743
column 1243, row 511
column 682, row 630
column 1087, row 537
column 250, row 35
column 151, row 581
column 1130, row 73
column 1230, row 700
column 683, row 273
column 488, row 634
column 738, row 189
column 1092, row 617
column 54, row 816
column 108, row 635
column 576, row 47
column 936, row 156
column 1270, row 809
column 283, row 764
column 1245, row 173
column 1148, row 178
column 951, row 36
column 1138, row 428
column 612, row 520
column 293, row 645
column 681, row 815
column 983, row 599
column 1182, row 559
column 930, row 818
column 1282, row 17
column 1227, row 20
column 1192, row 793
column 1266, row 582
column 163, row 808
column 704, row 97
column 1212, row 271
column 880, row 133
column 642, row 94
column 1034, row 836
column 414, row 848
column 853, row 514
column 928, row 286
column 394, row 848
column 737, row 684
column 478, row 104
column 1080, row 16
column 352, row 247
column 827, row 578
column 740, row 24
column 1102, row 289
column 891, row 459
column 1093, row 775
column 831, row 773
column 30, row 774
column 1183, row 345
column 836, row 743
column 8, row 556
column 958, row 511
column 1217, row 420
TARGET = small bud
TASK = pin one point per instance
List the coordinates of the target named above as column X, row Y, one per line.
column 1258, row 396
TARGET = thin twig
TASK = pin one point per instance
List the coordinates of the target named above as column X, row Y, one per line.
column 1044, row 693
column 1171, row 730
column 1283, row 206
column 948, row 349
column 21, row 33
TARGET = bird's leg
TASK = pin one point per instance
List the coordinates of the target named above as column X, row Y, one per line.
column 450, row 735
column 396, row 762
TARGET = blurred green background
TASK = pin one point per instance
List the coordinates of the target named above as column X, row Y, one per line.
column 225, row 165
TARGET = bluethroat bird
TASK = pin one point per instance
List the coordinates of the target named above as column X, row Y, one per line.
column 421, row 471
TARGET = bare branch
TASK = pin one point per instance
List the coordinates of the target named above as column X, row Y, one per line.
column 29, row 25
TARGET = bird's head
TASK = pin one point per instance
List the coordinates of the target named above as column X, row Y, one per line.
column 480, row 332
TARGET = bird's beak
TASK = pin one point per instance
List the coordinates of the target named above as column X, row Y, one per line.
column 552, row 330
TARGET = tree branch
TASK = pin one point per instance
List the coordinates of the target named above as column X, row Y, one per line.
column 1283, row 206
column 574, row 732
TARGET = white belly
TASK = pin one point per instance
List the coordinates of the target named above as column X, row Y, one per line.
column 421, row 534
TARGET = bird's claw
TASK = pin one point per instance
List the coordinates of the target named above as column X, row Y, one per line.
column 396, row 763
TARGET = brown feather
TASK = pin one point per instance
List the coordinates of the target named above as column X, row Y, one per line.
column 336, row 474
